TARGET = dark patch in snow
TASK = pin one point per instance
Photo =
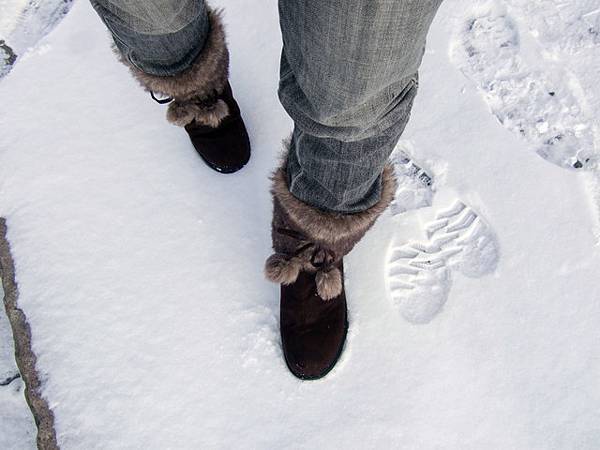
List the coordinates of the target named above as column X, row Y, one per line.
column 7, row 58
column 10, row 379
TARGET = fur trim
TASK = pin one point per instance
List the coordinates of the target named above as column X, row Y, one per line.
column 208, row 73
column 326, row 226
column 281, row 269
column 183, row 113
column 329, row 284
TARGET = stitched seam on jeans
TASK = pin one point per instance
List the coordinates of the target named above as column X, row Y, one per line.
column 294, row 178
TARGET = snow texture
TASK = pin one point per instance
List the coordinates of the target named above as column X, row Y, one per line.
column 140, row 269
column 529, row 97
column 415, row 184
column 23, row 23
column 419, row 273
column 17, row 429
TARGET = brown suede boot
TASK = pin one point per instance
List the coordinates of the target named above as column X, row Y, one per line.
column 201, row 100
column 309, row 246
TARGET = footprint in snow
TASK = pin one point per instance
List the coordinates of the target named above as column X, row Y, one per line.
column 561, row 26
column 415, row 184
column 419, row 274
column 533, row 102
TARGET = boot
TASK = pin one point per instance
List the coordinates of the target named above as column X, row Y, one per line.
column 309, row 248
column 201, row 100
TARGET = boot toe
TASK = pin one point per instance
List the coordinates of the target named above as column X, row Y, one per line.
column 313, row 331
column 311, row 362
column 225, row 150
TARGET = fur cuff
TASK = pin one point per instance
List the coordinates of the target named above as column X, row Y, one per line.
column 306, row 238
column 207, row 75
column 324, row 226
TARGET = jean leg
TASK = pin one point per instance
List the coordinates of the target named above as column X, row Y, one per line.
column 348, row 79
column 159, row 37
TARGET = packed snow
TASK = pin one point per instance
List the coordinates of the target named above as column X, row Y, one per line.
column 419, row 273
column 530, row 97
column 474, row 312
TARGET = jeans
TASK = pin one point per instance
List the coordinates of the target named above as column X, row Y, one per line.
column 159, row 37
column 348, row 78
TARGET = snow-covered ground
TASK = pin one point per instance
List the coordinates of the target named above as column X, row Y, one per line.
column 17, row 429
column 23, row 23
column 475, row 326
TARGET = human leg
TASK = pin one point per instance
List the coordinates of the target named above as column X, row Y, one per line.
column 348, row 80
column 177, row 49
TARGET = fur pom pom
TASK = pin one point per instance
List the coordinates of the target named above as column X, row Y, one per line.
column 281, row 269
column 181, row 114
column 329, row 284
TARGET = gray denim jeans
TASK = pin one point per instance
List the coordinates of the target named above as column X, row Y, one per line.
column 348, row 78
column 159, row 37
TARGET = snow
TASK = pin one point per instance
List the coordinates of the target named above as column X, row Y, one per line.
column 140, row 269
column 529, row 97
column 17, row 429
column 23, row 23
column 11, row 10
column 419, row 273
